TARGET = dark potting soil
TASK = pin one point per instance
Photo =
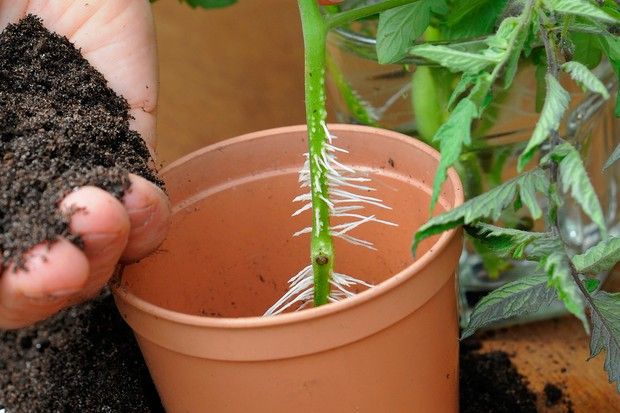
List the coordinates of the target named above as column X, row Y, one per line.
column 490, row 383
column 85, row 359
column 61, row 127
column 553, row 394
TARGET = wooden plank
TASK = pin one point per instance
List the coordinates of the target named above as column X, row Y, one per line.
column 226, row 72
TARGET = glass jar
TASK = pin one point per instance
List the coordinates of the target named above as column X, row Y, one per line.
column 366, row 92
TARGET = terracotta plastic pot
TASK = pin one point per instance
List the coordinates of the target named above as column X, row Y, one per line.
column 196, row 305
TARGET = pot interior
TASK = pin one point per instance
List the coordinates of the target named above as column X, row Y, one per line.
column 231, row 250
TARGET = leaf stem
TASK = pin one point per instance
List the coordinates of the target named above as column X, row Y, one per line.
column 554, row 70
column 322, row 248
column 345, row 17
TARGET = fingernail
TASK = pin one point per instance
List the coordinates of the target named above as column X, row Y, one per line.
column 101, row 242
column 65, row 293
column 53, row 295
column 141, row 217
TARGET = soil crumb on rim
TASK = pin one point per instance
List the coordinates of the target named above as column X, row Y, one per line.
column 61, row 127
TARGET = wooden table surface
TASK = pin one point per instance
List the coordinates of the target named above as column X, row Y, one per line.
column 232, row 71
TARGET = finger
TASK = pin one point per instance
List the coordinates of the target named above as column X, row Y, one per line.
column 11, row 11
column 53, row 275
column 149, row 214
column 102, row 223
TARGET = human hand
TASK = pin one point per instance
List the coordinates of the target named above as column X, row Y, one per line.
column 117, row 37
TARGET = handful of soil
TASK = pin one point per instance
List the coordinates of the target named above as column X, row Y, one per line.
column 61, row 127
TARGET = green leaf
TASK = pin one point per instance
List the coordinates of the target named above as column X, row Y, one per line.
column 452, row 135
column 558, row 269
column 605, row 317
column 591, row 284
column 209, row 4
column 600, row 258
column 611, row 47
column 399, row 27
column 541, row 90
column 574, row 179
column 581, row 74
column 586, row 49
column 514, row 243
column 531, row 184
column 473, row 18
column 513, row 61
column 613, row 158
column 455, row 60
column 493, row 264
column 581, row 8
column 556, row 102
column 465, row 82
column 524, row 296
column 488, row 205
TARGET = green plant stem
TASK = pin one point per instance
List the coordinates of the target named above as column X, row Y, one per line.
column 322, row 247
column 345, row 17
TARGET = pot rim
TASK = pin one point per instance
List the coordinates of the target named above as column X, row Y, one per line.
column 312, row 313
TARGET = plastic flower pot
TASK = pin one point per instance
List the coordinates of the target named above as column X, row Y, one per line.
column 196, row 305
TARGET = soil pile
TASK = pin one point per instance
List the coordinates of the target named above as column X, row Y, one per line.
column 490, row 383
column 61, row 127
column 84, row 359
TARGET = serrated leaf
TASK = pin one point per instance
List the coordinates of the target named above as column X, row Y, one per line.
column 574, row 179
column 465, row 82
column 452, row 135
column 209, row 4
column 600, row 258
column 605, row 317
column 513, row 61
column 556, row 102
column 399, row 27
column 524, row 296
column 558, row 269
column 528, row 188
column 473, row 18
column 581, row 8
column 581, row 74
column 613, row 158
column 455, row 60
column 485, row 206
